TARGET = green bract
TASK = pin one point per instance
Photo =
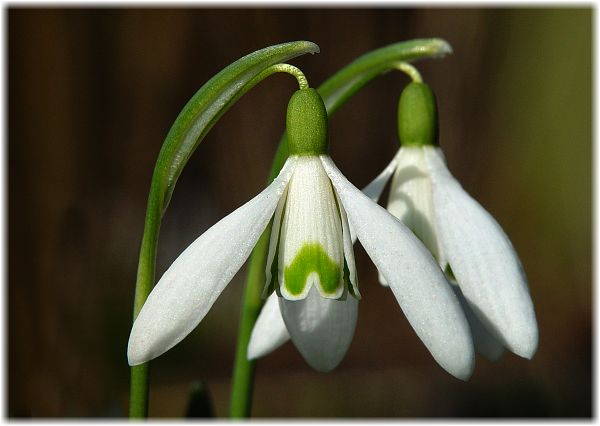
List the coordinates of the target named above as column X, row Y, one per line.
column 306, row 123
column 417, row 116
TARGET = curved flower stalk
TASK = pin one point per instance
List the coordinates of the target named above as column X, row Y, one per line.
column 465, row 239
column 310, row 263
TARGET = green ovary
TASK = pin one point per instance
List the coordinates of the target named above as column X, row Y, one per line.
column 312, row 258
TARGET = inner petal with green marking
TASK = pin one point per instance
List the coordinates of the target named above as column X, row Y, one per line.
column 311, row 248
column 313, row 263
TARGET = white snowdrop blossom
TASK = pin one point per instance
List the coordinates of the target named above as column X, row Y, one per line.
column 465, row 239
column 310, row 264
column 469, row 243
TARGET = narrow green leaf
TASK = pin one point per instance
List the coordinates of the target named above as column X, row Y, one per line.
column 354, row 76
column 210, row 102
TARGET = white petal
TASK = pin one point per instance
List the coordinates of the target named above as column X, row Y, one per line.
column 321, row 328
column 485, row 343
column 269, row 331
column 483, row 261
column 348, row 249
column 414, row 277
column 411, row 200
column 311, row 248
column 374, row 189
column 193, row 282
column 274, row 242
column 382, row 280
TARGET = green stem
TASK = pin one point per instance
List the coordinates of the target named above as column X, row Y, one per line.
column 138, row 400
column 243, row 371
column 335, row 92
column 411, row 71
column 287, row 68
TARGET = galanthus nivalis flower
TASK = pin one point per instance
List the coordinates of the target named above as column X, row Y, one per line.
column 462, row 235
column 482, row 266
column 310, row 263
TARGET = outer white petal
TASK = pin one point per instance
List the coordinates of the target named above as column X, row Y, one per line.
column 414, row 277
column 274, row 240
column 483, row 261
column 348, row 248
column 321, row 328
column 485, row 343
column 193, row 282
column 269, row 331
column 374, row 189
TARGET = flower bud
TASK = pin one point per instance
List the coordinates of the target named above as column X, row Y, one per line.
column 417, row 116
column 306, row 123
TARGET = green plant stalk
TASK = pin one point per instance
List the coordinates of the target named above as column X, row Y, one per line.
column 243, row 371
column 335, row 92
column 138, row 393
column 190, row 127
column 138, row 399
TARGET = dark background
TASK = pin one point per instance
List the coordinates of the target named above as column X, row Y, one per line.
column 93, row 92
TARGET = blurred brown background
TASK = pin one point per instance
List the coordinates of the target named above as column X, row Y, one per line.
column 93, row 92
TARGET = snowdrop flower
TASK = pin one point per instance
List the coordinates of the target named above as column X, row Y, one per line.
column 462, row 235
column 310, row 264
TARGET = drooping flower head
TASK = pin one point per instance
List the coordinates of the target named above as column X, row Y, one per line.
column 317, row 213
column 465, row 239
column 310, row 264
